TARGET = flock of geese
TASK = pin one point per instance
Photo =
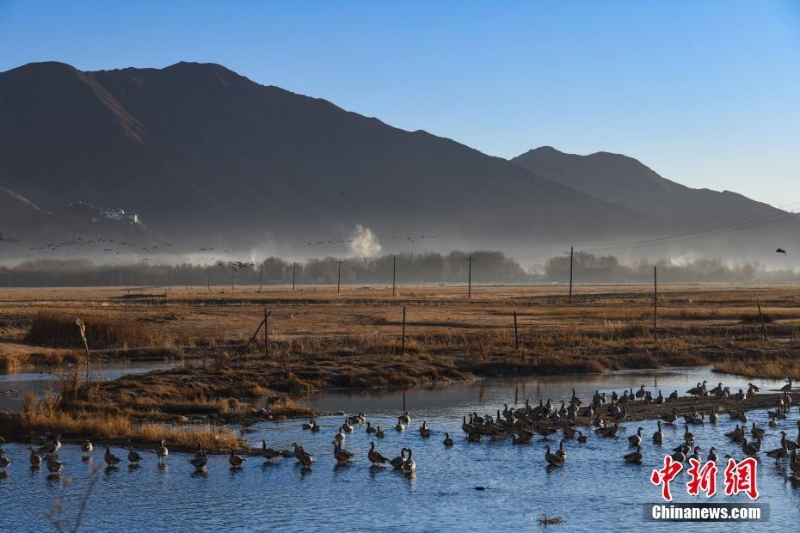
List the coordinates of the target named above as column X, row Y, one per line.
column 521, row 425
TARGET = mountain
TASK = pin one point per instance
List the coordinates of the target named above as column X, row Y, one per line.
column 206, row 156
column 702, row 219
column 27, row 230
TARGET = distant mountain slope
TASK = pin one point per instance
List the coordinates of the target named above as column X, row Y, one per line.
column 201, row 153
column 725, row 218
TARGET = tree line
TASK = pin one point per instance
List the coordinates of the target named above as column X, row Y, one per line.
column 409, row 268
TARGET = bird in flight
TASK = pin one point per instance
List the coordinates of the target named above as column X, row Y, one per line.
column 781, row 251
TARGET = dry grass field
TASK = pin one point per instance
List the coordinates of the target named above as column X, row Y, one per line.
column 319, row 339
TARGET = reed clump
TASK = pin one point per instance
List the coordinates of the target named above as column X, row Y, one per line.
column 58, row 329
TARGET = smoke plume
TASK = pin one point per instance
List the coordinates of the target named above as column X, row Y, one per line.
column 363, row 242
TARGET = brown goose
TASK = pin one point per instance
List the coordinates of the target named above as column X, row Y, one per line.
column 560, row 452
column 133, row 456
column 670, row 418
column 409, row 466
column 634, row 457
column 658, row 436
column 712, row 455
column 380, row 433
column 374, row 456
column 551, row 458
column 636, row 440
column 398, row 461
column 448, row 441
column 235, row 460
column 36, row 460
column 269, row 453
column 110, row 458
column 751, row 449
column 162, row 452
column 341, row 455
column 54, row 466
column 425, row 430
column 200, row 459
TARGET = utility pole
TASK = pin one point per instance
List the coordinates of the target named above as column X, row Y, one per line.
column 339, row 281
column 260, row 276
column 469, row 279
column 294, row 267
column 394, row 274
column 208, row 279
column 233, row 279
column 571, row 253
column 655, row 302
column 266, row 333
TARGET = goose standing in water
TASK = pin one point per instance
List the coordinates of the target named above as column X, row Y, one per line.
column 269, row 453
column 400, row 426
column 374, row 456
column 634, row 457
column 235, row 460
column 712, row 455
column 87, row 447
column 560, row 452
column 200, row 459
column 347, row 427
column 36, row 460
column 162, row 452
column 425, row 430
column 788, row 386
column 133, row 456
column 658, row 436
column 110, row 459
column 370, row 430
column 380, row 433
column 342, row 456
column 696, row 455
column 551, row 458
column 54, row 466
column 303, row 457
column 398, row 461
column 409, row 466
column 670, row 418
column 782, row 452
column 636, row 440
column 4, row 462
column 52, row 447
column 447, row 440
column 583, row 439
column 339, row 437
column 404, row 419
column 751, row 449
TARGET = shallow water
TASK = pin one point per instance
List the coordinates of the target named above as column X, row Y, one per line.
column 594, row 491
column 42, row 382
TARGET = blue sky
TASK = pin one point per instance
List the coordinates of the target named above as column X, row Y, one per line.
column 706, row 93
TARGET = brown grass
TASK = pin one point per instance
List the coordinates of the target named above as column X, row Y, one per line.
column 59, row 330
column 320, row 339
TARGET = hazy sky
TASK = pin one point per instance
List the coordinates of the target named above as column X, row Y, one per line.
column 706, row 93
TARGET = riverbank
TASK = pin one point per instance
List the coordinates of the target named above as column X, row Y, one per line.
column 319, row 339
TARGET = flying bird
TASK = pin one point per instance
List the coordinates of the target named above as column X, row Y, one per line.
column 781, row 251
